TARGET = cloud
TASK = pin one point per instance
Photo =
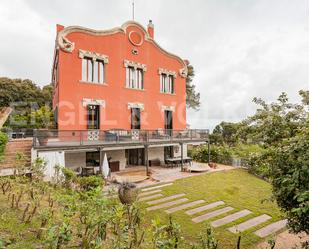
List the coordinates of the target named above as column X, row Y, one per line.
column 239, row 49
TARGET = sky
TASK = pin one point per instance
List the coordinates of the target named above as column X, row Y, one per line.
column 240, row 49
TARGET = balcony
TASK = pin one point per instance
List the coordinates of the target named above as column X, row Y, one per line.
column 44, row 139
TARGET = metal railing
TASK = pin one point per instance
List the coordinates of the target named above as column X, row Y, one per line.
column 60, row 138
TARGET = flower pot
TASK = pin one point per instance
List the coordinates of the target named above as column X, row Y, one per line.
column 127, row 193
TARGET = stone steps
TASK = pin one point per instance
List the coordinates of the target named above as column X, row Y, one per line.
column 167, row 204
column 203, row 208
column 230, row 218
column 249, row 223
column 271, row 228
column 165, row 199
column 149, row 197
column 156, row 187
column 150, row 192
column 12, row 148
column 212, row 214
column 184, row 206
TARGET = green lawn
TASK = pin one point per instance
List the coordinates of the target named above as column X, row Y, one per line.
column 237, row 189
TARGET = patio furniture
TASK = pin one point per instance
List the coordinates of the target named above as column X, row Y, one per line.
column 154, row 162
column 89, row 170
column 114, row 166
column 176, row 161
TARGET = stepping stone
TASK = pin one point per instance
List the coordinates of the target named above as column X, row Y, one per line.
column 156, row 187
column 150, row 197
column 165, row 199
column 230, row 218
column 271, row 228
column 149, row 192
column 249, row 223
column 203, row 208
column 209, row 215
column 184, row 206
column 167, row 204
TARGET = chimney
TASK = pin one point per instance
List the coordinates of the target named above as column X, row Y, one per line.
column 150, row 29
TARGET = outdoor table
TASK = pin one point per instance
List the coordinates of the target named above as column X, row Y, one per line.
column 177, row 160
column 87, row 171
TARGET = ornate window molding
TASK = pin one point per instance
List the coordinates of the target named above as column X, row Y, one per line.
column 99, row 102
column 136, row 65
column 95, row 56
column 136, row 105
column 167, row 72
column 167, row 108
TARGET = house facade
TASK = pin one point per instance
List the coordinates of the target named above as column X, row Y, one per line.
column 116, row 92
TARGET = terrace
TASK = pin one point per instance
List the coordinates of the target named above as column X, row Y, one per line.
column 66, row 139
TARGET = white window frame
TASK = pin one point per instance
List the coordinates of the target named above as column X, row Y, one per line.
column 93, row 67
column 167, row 81
column 135, row 73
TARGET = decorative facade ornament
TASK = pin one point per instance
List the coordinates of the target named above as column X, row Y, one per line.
column 99, row 102
column 167, row 72
column 136, row 105
column 95, row 56
column 183, row 72
column 136, row 65
column 93, row 135
column 67, row 46
column 168, row 108
column 136, row 38
column 135, row 51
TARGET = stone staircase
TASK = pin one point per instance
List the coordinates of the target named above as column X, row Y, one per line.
column 13, row 147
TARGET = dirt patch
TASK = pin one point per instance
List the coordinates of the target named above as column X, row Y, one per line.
column 285, row 240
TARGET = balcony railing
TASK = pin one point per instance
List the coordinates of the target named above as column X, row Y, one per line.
column 63, row 138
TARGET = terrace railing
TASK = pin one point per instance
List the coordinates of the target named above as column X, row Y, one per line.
column 62, row 138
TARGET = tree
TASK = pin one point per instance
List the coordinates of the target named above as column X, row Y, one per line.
column 290, row 180
column 30, row 102
column 274, row 122
column 193, row 97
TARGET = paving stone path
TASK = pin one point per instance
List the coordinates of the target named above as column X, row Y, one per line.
column 156, row 187
column 203, row 208
column 211, row 214
column 249, row 223
column 230, row 218
column 167, row 204
column 165, row 199
column 150, row 192
column 149, row 197
column 184, row 206
column 271, row 228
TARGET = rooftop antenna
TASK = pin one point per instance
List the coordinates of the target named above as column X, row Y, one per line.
column 133, row 9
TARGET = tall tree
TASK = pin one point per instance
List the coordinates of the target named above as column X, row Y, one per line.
column 193, row 97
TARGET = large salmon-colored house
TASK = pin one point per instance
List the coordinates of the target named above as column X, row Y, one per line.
column 116, row 92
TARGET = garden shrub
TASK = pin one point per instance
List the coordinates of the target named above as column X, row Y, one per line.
column 69, row 176
column 3, row 140
column 90, row 182
column 218, row 154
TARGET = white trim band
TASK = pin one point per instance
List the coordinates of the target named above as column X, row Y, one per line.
column 136, row 65
column 99, row 102
column 136, row 105
column 95, row 56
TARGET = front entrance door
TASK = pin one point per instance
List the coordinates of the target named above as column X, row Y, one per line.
column 135, row 156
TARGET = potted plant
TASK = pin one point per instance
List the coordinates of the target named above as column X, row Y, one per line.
column 127, row 193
